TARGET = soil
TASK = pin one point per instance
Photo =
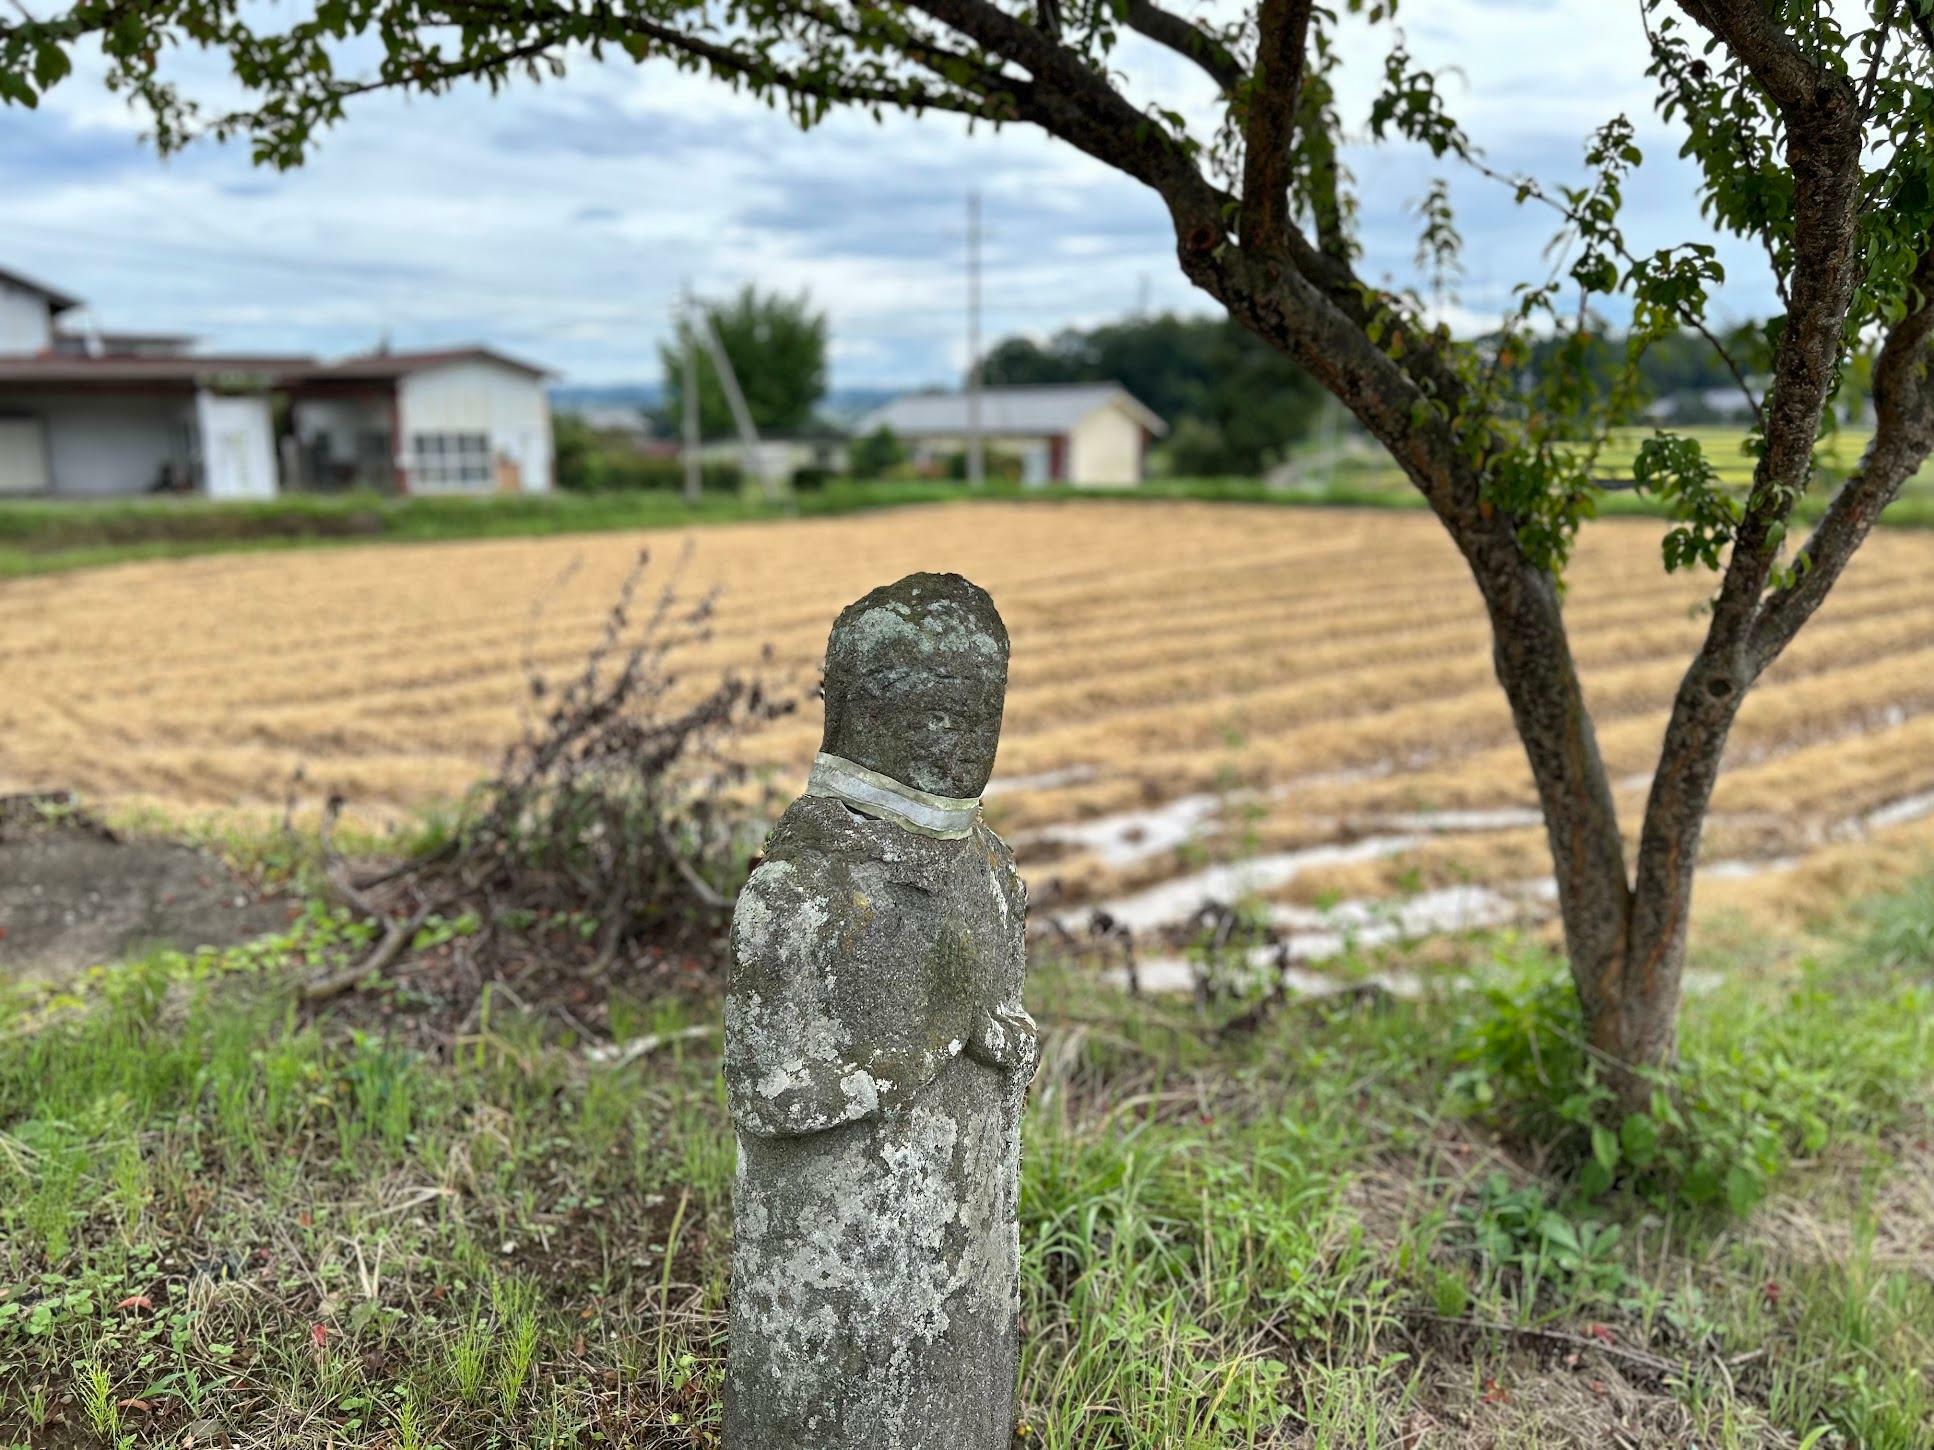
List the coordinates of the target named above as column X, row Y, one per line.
column 74, row 894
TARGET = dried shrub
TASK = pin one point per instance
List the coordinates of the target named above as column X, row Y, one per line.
column 621, row 820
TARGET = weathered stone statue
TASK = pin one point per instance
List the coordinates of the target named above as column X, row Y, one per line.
column 877, row 1056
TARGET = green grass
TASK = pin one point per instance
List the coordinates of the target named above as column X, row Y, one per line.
column 44, row 536
column 39, row 537
column 1357, row 479
column 1354, row 1223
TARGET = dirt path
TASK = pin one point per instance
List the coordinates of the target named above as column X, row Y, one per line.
column 74, row 895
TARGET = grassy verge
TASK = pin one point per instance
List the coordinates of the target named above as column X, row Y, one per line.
column 1374, row 1224
column 45, row 537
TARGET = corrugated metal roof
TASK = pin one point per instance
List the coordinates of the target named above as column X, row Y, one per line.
column 1025, row 412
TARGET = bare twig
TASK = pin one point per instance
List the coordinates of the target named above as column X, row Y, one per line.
column 618, row 1054
column 336, row 869
column 397, row 936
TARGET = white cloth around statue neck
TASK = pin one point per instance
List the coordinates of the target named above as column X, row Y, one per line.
column 943, row 817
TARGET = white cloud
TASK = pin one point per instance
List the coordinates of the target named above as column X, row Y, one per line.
column 559, row 221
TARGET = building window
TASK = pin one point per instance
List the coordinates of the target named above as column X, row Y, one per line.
column 449, row 460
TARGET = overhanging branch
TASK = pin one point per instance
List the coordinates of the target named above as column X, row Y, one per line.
column 1752, row 30
column 1188, row 40
column 1271, row 122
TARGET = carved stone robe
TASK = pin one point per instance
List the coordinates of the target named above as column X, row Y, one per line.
column 877, row 1058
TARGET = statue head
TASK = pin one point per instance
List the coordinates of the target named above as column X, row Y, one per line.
column 916, row 677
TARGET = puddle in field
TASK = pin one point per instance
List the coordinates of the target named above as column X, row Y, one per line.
column 1456, row 822
column 1745, row 870
column 1178, row 899
column 1899, row 813
column 1130, row 836
column 1313, row 934
column 1318, row 934
column 1169, row 976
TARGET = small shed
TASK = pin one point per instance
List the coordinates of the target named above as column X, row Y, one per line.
column 1091, row 435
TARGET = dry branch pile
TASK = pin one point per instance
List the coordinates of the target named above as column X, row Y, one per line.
column 620, row 822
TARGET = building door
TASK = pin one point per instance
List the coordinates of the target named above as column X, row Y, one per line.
column 23, row 456
column 237, row 446
column 1037, row 464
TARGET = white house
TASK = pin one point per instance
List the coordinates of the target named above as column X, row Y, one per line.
column 1092, row 435
column 90, row 413
column 458, row 420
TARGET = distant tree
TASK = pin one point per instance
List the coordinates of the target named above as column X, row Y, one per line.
column 1235, row 401
column 1680, row 363
column 574, row 450
column 777, row 346
column 877, row 453
column 1810, row 128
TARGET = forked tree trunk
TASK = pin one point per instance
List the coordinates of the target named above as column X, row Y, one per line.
column 1625, row 919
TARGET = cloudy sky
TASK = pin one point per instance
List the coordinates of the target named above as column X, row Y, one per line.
column 559, row 221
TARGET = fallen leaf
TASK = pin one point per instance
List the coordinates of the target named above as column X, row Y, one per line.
column 318, row 1334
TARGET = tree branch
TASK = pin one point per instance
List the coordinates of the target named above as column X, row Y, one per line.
column 1188, row 40
column 757, row 68
column 1752, row 31
column 1903, row 438
column 1823, row 144
column 1271, row 123
column 1083, row 109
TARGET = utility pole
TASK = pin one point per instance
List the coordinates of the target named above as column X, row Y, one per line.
column 688, row 344
column 976, row 450
column 735, row 399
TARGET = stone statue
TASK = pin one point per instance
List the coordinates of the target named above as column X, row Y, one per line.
column 877, row 1056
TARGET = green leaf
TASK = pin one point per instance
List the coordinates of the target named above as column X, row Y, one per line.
column 1639, row 1136
column 14, row 87
column 1557, row 1230
column 1594, row 1178
column 1813, row 1133
column 1743, row 1189
column 51, row 65
column 1604, row 1147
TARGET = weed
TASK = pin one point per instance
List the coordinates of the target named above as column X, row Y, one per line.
column 1754, row 1088
column 469, row 1356
column 96, row 1393
column 519, row 1349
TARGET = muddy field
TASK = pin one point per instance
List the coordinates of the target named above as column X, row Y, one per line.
column 1207, row 700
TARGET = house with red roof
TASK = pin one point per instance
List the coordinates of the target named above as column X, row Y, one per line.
column 86, row 412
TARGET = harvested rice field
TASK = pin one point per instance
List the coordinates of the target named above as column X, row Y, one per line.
column 1207, row 700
